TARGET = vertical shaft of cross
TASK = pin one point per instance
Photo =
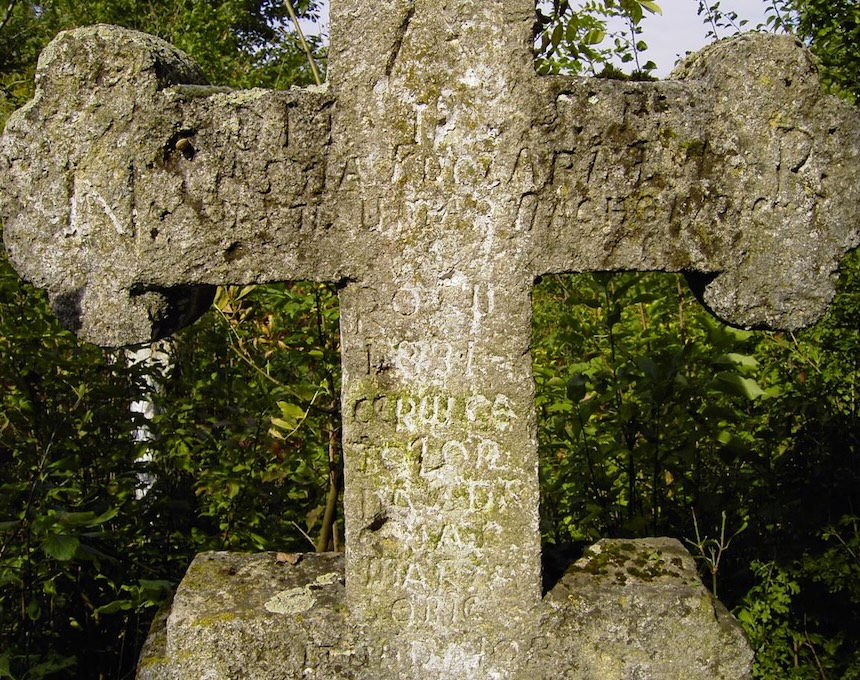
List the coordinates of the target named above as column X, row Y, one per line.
column 441, row 477
column 441, row 492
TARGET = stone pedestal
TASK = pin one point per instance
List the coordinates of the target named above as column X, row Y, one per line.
column 628, row 609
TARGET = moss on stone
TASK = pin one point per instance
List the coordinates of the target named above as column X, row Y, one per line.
column 215, row 619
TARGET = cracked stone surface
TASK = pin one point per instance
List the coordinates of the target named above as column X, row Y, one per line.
column 434, row 177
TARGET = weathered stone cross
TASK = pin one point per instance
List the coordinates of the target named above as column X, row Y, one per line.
column 434, row 178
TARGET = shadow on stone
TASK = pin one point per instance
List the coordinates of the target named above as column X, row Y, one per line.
column 67, row 307
column 556, row 558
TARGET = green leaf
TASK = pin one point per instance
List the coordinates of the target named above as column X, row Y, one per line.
column 651, row 6
column 115, row 606
column 34, row 611
column 291, row 411
column 649, row 367
column 745, row 616
column 577, row 387
column 735, row 359
column 61, row 547
column 75, row 519
column 732, row 383
column 106, row 516
column 771, row 392
column 155, row 585
column 283, row 424
column 595, row 36
column 557, row 35
column 5, row 671
column 572, row 28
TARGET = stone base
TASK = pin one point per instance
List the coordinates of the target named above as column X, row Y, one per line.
column 628, row 610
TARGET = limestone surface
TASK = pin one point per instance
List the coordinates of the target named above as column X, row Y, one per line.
column 627, row 610
column 433, row 178
column 129, row 186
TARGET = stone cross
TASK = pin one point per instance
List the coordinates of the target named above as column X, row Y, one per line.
column 434, row 178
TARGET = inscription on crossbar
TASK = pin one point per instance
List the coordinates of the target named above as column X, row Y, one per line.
column 434, row 178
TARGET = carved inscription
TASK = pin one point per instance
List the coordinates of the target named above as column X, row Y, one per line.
column 456, row 494
column 419, row 653
column 87, row 206
column 412, row 358
column 433, row 413
column 446, row 459
column 435, row 609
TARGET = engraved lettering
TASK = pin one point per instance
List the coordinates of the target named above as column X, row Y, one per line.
column 488, row 454
column 402, row 500
column 437, row 610
column 370, row 502
column 428, row 414
column 413, row 358
column 392, row 457
column 414, row 576
column 455, row 454
column 363, row 410
column 503, row 412
column 500, row 411
column 481, row 497
column 401, row 610
column 370, row 213
column 506, row 650
column 526, row 212
column 482, row 304
column 407, row 301
column 450, row 537
column 523, row 173
column 431, row 459
column 474, row 405
column 406, row 411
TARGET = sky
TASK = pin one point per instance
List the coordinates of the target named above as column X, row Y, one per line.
column 679, row 30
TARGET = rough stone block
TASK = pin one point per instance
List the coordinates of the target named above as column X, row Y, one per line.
column 627, row 610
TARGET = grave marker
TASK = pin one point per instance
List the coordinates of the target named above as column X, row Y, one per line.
column 433, row 178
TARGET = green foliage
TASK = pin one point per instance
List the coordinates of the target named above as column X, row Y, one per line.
column 804, row 498
column 648, row 411
column 791, row 636
column 665, row 411
column 720, row 23
column 247, row 417
column 575, row 40
column 246, row 457
column 763, row 615
column 662, row 410
column 71, row 538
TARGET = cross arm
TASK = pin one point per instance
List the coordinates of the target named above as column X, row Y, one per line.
column 129, row 186
column 740, row 170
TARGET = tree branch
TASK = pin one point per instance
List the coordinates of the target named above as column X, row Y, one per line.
column 7, row 14
column 289, row 5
